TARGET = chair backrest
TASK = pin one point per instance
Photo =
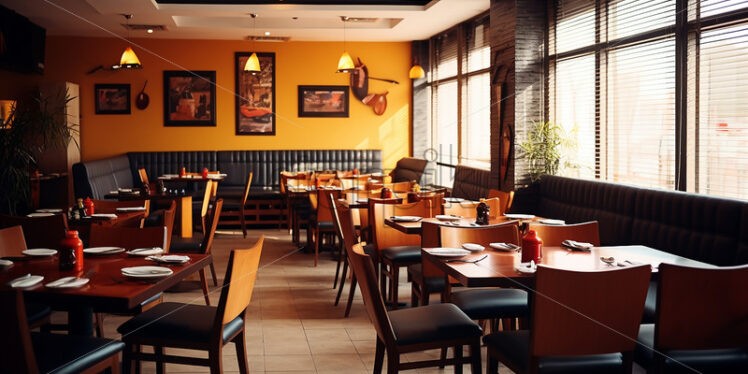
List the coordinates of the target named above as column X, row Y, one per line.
column 324, row 212
column 143, row 176
column 468, row 208
column 554, row 235
column 363, row 269
column 132, row 221
column 506, row 198
column 206, row 198
column 408, row 169
column 456, row 236
column 246, row 188
column 12, row 242
column 211, row 225
column 110, row 206
column 351, row 182
column 343, row 220
column 437, row 201
column 584, row 313
column 16, row 351
column 40, row 232
column 293, row 180
column 385, row 236
column 715, row 297
column 238, row 285
column 324, row 179
column 127, row 237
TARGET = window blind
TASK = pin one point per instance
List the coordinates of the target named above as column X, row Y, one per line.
column 631, row 17
column 476, row 97
column 575, row 26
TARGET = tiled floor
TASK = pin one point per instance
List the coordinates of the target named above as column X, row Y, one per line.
column 293, row 325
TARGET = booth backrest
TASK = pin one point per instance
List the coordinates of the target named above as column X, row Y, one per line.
column 409, row 169
column 96, row 178
column 471, row 183
column 700, row 227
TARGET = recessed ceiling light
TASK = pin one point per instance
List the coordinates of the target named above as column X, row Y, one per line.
column 267, row 33
column 150, row 31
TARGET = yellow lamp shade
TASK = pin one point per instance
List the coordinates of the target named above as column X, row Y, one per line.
column 345, row 64
column 416, row 72
column 253, row 64
column 129, row 60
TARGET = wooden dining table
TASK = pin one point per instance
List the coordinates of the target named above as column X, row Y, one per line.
column 415, row 227
column 183, row 214
column 108, row 291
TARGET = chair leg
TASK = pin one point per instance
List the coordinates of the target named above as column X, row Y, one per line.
column 383, row 282
column 393, row 361
column 493, row 364
column 458, row 357
column 204, row 285
column 214, row 356
column 213, row 273
column 99, row 319
column 379, row 357
column 475, row 359
column 425, row 292
column 241, row 352
column 243, row 221
column 395, row 282
column 342, row 282
column 337, row 268
column 127, row 359
column 159, row 353
column 351, row 293
column 317, row 239
column 413, row 295
column 443, row 358
column 114, row 367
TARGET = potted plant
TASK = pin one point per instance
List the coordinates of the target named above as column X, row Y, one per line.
column 547, row 148
column 34, row 125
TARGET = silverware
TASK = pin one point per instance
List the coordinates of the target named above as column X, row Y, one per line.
column 608, row 260
column 468, row 261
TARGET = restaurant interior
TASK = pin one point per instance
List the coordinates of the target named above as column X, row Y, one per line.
column 425, row 186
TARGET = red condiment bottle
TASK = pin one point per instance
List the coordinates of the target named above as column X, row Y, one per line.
column 355, row 171
column 71, row 252
column 205, row 172
column 182, row 172
column 532, row 245
column 89, row 205
column 386, row 193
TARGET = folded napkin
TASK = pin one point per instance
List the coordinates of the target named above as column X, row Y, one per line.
column 27, row 280
column 169, row 259
column 509, row 247
column 105, row 215
column 527, row 267
column 146, row 251
column 578, row 246
column 68, row 282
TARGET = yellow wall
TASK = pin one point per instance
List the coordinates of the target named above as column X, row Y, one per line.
column 297, row 63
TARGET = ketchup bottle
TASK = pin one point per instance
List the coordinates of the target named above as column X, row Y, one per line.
column 205, row 172
column 386, row 193
column 531, row 247
column 89, row 205
column 71, row 252
column 182, row 172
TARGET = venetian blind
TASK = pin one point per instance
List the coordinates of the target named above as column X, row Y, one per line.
column 444, row 100
column 476, row 97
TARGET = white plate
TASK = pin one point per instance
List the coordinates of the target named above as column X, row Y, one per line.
column 527, row 268
column 171, row 175
column 406, row 218
column 104, row 215
column 146, row 251
column 504, row 247
column 147, row 272
column 363, row 201
column 447, row 252
column 24, row 281
column 40, row 252
column 444, row 217
column 519, row 216
column 5, row 263
column 49, row 210
column 126, row 209
column 170, row 259
column 103, row 250
column 124, row 190
column 549, row 221
column 39, row 215
column 68, row 282
column 473, row 247
column 453, row 199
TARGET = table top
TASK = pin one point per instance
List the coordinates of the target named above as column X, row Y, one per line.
column 192, row 178
column 352, row 201
column 415, row 227
column 108, row 290
column 152, row 195
column 104, row 220
column 499, row 268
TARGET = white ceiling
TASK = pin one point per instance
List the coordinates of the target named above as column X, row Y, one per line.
column 101, row 18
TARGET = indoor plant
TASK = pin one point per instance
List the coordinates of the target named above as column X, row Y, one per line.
column 35, row 124
column 546, row 147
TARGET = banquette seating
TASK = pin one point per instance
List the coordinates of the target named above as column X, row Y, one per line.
column 97, row 178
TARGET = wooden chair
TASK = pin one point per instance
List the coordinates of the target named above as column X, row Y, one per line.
column 506, row 198
column 394, row 187
column 343, row 220
column 289, row 179
column 468, row 208
column 205, row 204
column 394, row 248
column 322, row 220
column 165, row 218
column 590, row 326
column 109, row 206
column 39, row 232
column 243, row 203
column 554, row 235
column 414, row 329
column 323, row 179
column 143, row 176
column 700, row 322
column 197, row 327
column 22, row 351
column 356, row 182
column 437, row 201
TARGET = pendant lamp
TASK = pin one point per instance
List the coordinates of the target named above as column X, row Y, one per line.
column 253, row 63
column 345, row 63
column 129, row 59
column 416, row 72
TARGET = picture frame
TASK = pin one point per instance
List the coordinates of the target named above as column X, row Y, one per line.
column 189, row 98
column 324, row 101
column 255, row 95
column 112, row 98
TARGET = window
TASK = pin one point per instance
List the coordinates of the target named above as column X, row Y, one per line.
column 460, row 90
column 614, row 84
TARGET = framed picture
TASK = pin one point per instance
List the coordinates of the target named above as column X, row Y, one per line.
column 255, row 95
column 112, row 98
column 323, row 101
column 189, row 98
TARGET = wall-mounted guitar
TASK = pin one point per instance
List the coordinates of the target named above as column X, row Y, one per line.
column 360, row 88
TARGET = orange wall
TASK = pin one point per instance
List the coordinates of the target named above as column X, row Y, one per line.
column 297, row 63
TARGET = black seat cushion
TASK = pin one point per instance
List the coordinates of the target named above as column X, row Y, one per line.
column 37, row 312
column 186, row 245
column 488, row 303
column 370, row 249
column 433, row 284
column 402, row 254
column 515, row 347
column 650, row 305
column 432, row 323
column 690, row 361
column 177, row 322
column 61, row 354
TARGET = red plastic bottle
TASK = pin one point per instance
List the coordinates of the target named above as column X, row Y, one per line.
column 182, row 172
column 205, row 172
column 71, row 252
column 89, row 205
column 532, row 246
column 355, row 171
column 386, row 193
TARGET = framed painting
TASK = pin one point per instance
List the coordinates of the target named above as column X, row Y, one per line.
column 323, row 101
column 255, row 95
column 189, row 98
column 112, row 98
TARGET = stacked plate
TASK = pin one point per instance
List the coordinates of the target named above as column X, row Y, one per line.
column 40, row 252
column 147, row 272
